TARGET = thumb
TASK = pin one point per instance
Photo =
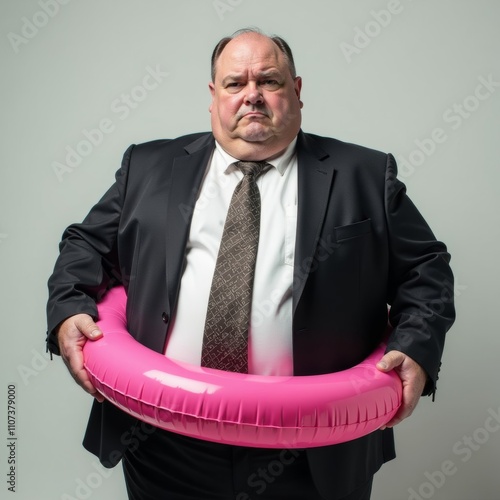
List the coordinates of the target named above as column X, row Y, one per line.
column 390, row 360
column 88, row 328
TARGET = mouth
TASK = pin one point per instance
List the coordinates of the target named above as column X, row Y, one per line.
column 254, row 114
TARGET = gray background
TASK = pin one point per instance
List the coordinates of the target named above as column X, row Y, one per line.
column 66, row 76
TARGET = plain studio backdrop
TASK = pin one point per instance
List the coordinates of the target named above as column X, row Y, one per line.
column 417, row 78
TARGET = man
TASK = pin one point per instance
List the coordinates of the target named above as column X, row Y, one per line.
column 339, row 242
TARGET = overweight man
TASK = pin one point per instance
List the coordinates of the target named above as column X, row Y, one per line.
column 256, row 248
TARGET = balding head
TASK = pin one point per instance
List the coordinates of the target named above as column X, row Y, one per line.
column 280, row 42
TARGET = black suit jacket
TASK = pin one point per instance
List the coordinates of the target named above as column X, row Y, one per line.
column 361, row 246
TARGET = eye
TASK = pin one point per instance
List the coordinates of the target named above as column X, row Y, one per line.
column 235, row 83
column 234, row 86
column 271, row 83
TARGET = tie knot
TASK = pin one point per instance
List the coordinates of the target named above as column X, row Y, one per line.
column 254, row 168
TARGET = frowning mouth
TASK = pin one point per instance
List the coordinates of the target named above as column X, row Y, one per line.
column 254, row 114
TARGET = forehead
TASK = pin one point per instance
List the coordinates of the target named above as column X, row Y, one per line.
column 250, row 52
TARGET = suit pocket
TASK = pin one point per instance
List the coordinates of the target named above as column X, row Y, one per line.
column 354, row 230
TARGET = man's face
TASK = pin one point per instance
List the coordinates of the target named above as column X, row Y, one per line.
column 255, row 101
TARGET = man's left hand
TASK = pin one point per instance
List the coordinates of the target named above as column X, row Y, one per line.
column 412, row 376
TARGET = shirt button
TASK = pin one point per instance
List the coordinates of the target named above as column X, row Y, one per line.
column 165, row 317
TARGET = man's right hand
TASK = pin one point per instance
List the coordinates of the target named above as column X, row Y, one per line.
column 72, row 334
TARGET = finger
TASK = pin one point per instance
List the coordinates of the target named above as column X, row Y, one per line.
column 390, row 360
column 409, row 402
column 87, row 327
column 73, row 359
column 387, row 363
column 413, row 379
column 75, row 362
column 72, row 335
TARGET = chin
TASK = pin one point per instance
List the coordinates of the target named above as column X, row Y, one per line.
column 257, row 135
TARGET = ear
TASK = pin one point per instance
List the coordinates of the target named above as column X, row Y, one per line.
column 297, row 84
column 211, row 87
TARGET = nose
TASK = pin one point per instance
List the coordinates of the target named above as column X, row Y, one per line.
column 253, row 94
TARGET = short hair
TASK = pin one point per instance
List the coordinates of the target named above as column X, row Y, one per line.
column 280, row 42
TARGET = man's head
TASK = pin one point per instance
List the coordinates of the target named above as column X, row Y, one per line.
column 255, row 95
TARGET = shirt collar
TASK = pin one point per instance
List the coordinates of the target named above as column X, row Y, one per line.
column 280, row 162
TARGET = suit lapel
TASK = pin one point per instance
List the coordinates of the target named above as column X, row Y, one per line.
column 315, row 179
column 187, row 175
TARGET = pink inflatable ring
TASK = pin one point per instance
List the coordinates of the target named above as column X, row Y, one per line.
column 235, row 408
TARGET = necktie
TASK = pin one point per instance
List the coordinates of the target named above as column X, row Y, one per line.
column 225, row 339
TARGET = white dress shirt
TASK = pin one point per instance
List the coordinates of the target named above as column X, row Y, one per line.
column 270, row 333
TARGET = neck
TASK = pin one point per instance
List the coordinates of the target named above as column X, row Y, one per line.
column 253, row 151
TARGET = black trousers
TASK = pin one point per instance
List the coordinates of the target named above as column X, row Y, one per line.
column 167, row 466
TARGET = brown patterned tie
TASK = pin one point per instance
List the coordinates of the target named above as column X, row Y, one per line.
column 225, row 339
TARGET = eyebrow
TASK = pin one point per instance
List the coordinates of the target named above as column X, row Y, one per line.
column 272, row 73
column 231, row 78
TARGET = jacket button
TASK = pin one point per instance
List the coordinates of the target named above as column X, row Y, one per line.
column 165, row 317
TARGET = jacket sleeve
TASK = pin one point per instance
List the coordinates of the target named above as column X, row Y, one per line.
column 88, row 263
column 420, row 292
